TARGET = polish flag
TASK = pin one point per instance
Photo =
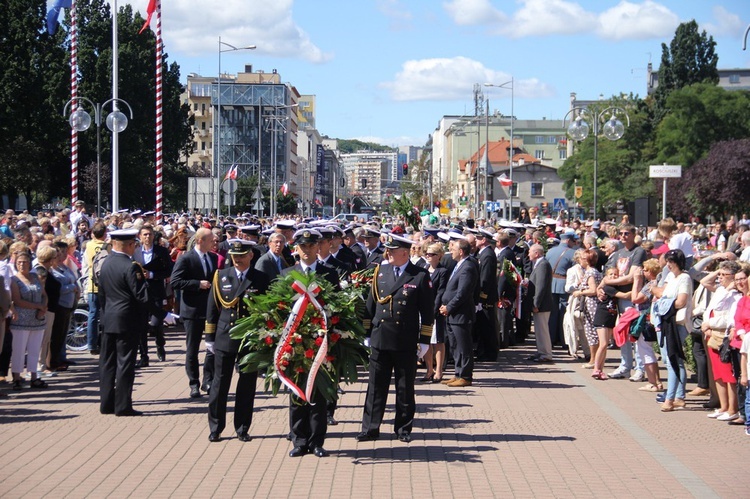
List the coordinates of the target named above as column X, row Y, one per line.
column 150, row 9
column 231, row 173
column 284, row 189
column 505, row 181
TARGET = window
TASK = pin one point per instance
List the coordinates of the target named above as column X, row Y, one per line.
column 539, row 154
column 203, row 164
column 514, row 190
column 203, row 108
column 552, row 140
column 195, row 106
column 563, row 153
column 539, row 139
column 537, row 189
column 203, row 146
column 734, row 78
column 203, row 125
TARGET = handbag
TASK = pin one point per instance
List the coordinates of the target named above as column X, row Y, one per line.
column 716, row 339
column 681, row 316
column 725, row 353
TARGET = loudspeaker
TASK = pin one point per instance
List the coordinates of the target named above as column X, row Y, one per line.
column 644, row 212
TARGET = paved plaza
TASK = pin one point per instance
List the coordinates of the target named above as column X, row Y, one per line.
column 522, row 430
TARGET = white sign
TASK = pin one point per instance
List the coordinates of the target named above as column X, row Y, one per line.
column 665, row 171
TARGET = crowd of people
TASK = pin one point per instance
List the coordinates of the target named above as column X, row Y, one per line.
column 457, row 294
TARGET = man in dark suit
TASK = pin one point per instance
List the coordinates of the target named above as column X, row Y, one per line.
column 123, row 296
column 225, row 306
column 341, row 251
column 192, row 274
column 353, row 241
column 286, row 227
column 273, row 262
column 459, row 309
column 325, row 256
column 157, row 266
column 540, row 288
column 506, row 292
column 373, row 249
column 308, row 422
column 486, row 325
column 400, row 289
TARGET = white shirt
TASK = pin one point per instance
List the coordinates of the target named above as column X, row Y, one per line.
column 682, row 241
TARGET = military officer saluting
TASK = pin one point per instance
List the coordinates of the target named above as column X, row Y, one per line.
column 225, row 306
column 400, row 289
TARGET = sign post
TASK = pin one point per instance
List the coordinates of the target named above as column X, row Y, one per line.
column 664, row 172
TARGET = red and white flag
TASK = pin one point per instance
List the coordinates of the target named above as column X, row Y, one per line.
column 231, row 173
column 505, row 181
column 150, row 11
column 284, row 189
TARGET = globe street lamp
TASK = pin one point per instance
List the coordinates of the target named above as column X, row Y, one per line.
column 612, row 129
column 231, row 48
column 80, row 121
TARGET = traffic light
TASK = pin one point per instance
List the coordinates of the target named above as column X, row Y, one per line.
column 405, row 169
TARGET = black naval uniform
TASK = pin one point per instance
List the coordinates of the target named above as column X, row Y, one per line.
column 225, row 306
column 395, row 331
column 160, row 264
column 123, row 295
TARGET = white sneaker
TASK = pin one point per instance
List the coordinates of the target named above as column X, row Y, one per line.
column 620, row 373
column 716, row 414
column 638, row 376
column 728, row 417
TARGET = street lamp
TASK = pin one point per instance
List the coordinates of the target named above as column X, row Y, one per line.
column 512, row 149
column 613, row 129
column 80, row 121
column 231, row 48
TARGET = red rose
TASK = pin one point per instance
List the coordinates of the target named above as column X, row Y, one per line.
column 330, row 358
column 298, row 339
column 335, row 337
column 309, row 353
column 284, row 363
column 268, row 340
column 335, row 320
column 300, row 369
column 270, row 324
column 317, row 320
column 281, row 305
column 288, row 349
column 318, row 341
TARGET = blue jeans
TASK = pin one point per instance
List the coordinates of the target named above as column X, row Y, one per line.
column 675, row 389
column 92, row 329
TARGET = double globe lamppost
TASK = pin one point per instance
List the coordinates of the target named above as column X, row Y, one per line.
column 611, row 128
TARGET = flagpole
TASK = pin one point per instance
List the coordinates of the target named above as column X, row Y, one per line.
column 74, row 100
column 159, row 114
column 115, row 135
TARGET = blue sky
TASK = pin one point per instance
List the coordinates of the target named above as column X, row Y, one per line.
column 387, row 70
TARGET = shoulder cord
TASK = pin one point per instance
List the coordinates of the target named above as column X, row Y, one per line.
column 376, row 292
column 221, row 302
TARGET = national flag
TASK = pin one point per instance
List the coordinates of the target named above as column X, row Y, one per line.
column 54, row 13
column 231, row 173
column 317, row 202
column 150, row 11
column 505, row 181
column 284, row 189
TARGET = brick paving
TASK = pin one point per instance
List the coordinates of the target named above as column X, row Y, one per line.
column 522, row 430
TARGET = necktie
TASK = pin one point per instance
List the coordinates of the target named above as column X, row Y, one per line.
column 397, row 271
column 307, row 271
column 278, row 263
column 241, row 277
column 206, row 264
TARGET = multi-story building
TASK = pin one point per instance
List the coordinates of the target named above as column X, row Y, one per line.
column 379, row 169
column 729, row 79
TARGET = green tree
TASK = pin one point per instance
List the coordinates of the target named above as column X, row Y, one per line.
column 690, row 58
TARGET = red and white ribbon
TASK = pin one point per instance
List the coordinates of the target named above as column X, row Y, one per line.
column 305, row 295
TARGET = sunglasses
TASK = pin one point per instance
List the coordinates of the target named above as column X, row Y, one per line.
column 431, row 254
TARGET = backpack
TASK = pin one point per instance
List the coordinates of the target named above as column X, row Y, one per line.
column 98, row 261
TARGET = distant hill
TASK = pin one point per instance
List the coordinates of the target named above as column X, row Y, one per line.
column 354, row 145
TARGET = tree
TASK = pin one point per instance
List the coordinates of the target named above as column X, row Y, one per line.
column 716, row 185
column 690, row 58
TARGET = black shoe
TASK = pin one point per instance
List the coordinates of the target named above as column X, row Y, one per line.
column 368, row 436
column 404, row 437
column 298, row 452
column 95, row 351
column 195, row 392
column 206, row 386
column 107, row 411
column 243, row 437
column 142, row 363
column 320, row 452
column 214, row 436
column 161, row 354
column 129, row 412
column 331, row 421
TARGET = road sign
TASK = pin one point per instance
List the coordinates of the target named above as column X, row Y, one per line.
column 258, row 206
column 665, row 171
column 579, row 191
column 256, row 195
column 559, row 204
column 229, row 186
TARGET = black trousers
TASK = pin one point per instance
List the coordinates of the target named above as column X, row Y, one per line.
column 486, row 333
column 559, row 306
column 701, row 360
column 403, row 365
column 57, row 337
column 193, row 335
column 158, row 338
column 7, row 349
column 244, row 401
column 117, row 372
column 505, row 327
column 308, row 423
column 459, row 336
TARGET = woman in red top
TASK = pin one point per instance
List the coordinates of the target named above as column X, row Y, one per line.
column 737, row 333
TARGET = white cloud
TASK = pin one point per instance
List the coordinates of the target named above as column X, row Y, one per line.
column 394, row 10
column 727, row 24
column 269, row 25
column 473, row 12
column 453, row 79
column 545, row 17
column 629, row 20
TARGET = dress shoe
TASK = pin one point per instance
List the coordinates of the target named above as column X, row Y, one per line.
column 448, row 381
column 129, row 412
column 404, row 437
column 699, row 392
column 107, row 411
column 206, row 386
column 298, row 452
column 142, row 363
column 460, row 383
column 214, row 436
column 332, row 421
column 195, row 392
column 243, row 437
column 161, row 354
column 319, row 452
column 368, row 436
column 95, row 351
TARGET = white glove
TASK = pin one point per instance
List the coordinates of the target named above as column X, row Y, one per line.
column 367, row 342
column 210, row 346
column 423, row 350
column 478, row 308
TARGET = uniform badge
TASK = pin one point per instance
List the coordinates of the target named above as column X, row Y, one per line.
column 224, row 279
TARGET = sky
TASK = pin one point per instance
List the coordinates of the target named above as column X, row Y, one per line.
column 386, row 71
